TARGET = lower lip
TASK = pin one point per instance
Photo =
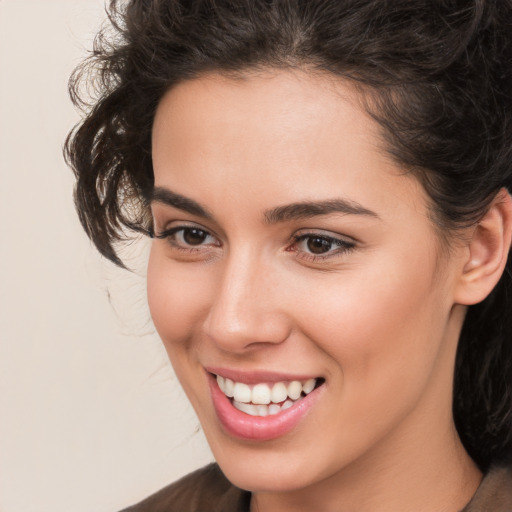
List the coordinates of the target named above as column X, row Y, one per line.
column 259, row 428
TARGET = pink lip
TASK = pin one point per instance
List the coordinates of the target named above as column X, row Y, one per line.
column 255, row 377
column 259, row 428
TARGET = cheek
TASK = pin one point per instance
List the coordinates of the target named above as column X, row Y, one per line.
column 177, row 297
column 381, row 329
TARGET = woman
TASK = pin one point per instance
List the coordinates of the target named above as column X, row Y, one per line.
column 327, row 188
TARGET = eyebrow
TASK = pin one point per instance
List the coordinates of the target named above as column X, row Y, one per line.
column 286, row 213
column 166, row 196
column 309, row 209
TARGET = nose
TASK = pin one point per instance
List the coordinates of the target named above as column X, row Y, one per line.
column 247, row 309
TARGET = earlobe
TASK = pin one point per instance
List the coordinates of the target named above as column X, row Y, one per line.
column 488, row 250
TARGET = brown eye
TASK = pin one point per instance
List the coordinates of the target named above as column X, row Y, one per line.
column 318, row 245
column 194, row 236
column 190, row 239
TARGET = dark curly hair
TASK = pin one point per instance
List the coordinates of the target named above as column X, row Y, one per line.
column 438, row 78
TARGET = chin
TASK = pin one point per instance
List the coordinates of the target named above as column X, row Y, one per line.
column 260, row 477
column 280, row 466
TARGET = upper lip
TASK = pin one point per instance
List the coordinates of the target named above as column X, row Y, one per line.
column 257, row 376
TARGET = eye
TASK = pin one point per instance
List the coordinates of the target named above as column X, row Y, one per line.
column 316, row 246
column 188, row 238
column 192, row 236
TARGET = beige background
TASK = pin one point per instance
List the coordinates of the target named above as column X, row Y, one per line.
column 91, row 416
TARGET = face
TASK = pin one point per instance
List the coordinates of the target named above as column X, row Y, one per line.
column 294, row 260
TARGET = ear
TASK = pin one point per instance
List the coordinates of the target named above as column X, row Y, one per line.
column 487, row 252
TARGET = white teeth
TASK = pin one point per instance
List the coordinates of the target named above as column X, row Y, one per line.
column 247, row 408
column 309, row 385
column 262, row 410
column 242, row 392
column 226, row 385
column 229, row 389
column 273, row 409
column 294, row 389
column 279, row 393
column 286, row 405
column 261, row 394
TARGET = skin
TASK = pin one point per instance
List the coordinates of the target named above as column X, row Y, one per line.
column 379, row 321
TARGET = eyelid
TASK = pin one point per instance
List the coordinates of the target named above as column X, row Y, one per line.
column 177, row 225
column 325, row 233
column 168, row 234
column 343, row 245
column 167, row 215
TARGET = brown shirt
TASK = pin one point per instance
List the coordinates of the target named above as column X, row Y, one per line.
column 208, row 490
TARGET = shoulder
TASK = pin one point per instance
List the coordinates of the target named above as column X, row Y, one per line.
column 204, row 490
column 494, row 493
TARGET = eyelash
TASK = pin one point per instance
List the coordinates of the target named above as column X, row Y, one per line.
column 341, row 246
column 168, row 235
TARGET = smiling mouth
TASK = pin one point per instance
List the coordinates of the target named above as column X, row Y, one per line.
column 266, row 399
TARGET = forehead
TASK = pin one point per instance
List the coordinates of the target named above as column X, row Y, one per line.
column 284, row 135
column 276, row 107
